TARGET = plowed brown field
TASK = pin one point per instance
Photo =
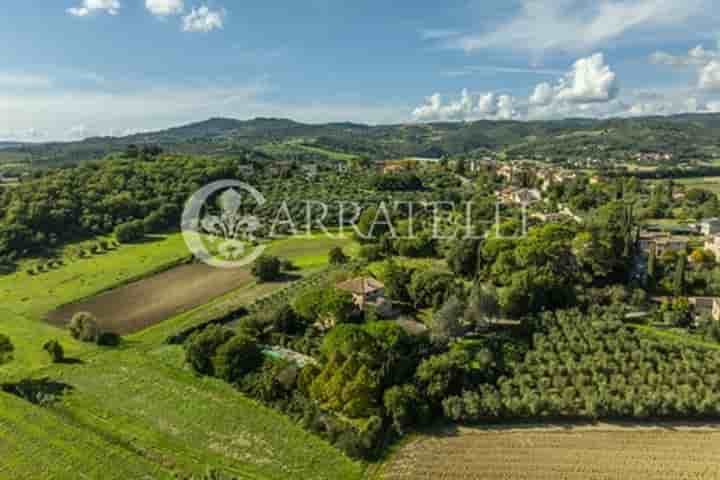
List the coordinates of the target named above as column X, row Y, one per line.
column 144, row 303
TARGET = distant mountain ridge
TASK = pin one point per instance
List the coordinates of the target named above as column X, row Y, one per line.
column 227, row 136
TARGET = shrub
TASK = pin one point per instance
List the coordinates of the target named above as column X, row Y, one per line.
column 267, row 268
column 6, row 349
column 84, row 327
column 202, row 346
column 238, row 356
column 130, row 232
column 108, row 339
column 55, row 350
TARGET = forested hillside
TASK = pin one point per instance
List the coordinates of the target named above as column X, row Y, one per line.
column 686, row 136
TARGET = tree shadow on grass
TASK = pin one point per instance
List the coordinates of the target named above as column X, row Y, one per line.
column 41, row 391
column 71, row 361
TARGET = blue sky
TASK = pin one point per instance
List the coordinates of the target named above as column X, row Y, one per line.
column 75, row 68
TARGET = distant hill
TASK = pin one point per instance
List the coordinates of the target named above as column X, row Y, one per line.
column 686, row 136
column 4, row 145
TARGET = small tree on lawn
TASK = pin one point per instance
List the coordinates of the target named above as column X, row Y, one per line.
column 267, row 268
column 84, row 327
column 55, row 350
column 130, row 232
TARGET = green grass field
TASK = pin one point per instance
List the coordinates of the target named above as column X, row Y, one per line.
column 706, row 183
column 299, row 146
column 137, row 411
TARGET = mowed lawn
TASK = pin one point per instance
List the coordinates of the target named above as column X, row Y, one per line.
column 137, row 411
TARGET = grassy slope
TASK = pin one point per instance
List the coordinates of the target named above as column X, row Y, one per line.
column 26, row 298
column 137, row 412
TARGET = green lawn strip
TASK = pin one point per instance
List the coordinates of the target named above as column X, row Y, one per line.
column 675, row 337
column 169, row 415
column 52, row 448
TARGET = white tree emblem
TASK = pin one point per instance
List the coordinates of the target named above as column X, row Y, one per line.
column 229, row 231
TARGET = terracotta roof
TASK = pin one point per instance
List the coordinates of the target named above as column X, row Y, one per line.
column 361, row 285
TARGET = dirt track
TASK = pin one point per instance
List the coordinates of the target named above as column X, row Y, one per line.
column 144, row 303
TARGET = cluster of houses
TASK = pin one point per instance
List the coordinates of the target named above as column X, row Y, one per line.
column 663, row 242
column 518, row 196
column 652, row 157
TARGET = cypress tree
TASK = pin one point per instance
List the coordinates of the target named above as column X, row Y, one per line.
column 651, row 280
column 679, row 281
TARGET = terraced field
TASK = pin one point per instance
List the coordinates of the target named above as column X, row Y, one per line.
column 605, row 452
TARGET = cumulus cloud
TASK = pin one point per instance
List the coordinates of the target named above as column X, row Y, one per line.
column 542, row 95
column 579, row 25
column 88, row 7
column 707, row 63
column 590, row 80
column 204, row 20
column 165, row 8
column 79, row 132
column 468, row 107
column 696, row 56
column 710, row 76
column 588, row 89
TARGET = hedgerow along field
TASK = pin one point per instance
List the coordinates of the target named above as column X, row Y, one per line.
column 137, row 411
column 605, row 452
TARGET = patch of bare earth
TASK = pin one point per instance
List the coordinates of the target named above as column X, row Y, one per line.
column 139, row 305
column 607, row 452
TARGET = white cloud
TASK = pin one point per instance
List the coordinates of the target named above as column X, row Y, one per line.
column 79, row 132
column 710, row 76
column 696, row 56
column 472, row 69
column 23, row 81
column 588, row 89
column 438, row 34
column 707, row 63
column 579, row 25
column 542, row 95
column 88, row 7
column 203, row 19
column 590, row 80
column 467, row 107
column 165, row 8
column 72, row 114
